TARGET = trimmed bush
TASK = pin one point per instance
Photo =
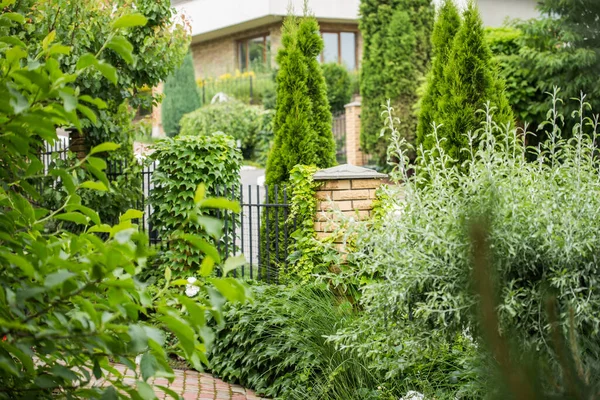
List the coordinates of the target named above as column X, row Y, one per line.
column 339, row 86
column 396, row 56
column 241, row 121
column 181, row 96
column 446, row 25
column 302, row 121
column 470, row 80
column 184, row 162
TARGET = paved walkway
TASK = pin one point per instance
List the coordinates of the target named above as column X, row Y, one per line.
column 192, row 385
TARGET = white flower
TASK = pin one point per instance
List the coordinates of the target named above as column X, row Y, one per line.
column 190, row 289
column 412, row 395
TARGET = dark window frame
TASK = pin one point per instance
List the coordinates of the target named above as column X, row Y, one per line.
column 339, row 45
column 245, row 42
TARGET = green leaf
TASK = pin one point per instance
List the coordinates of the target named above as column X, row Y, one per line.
column 13, row 16
column 108, row 71
column 145, row 391
column 168, row 274
column 101, row 104
column 203, row 246
column 66, row 179
column 200, row 192
column 97, row 163
column 93, row 215
column 107, row 146
column 100, row 228
column 130, row 20
column 20, row 262
column 220, row 202
column 85, row 61
column 139, row 339
column 131, row 214
column 122, row 47
column 75, row 217
column 17, row 101
column 207, row 266
column 69, row 101
column 94, row 185
column 196, row 312
column 48, row 39
column 184, row 333
column 148, row 366
column 57, row 278
column 230, row 288
column 59, row 49
column 232, row 263
column 91, row 115
column 213, row 226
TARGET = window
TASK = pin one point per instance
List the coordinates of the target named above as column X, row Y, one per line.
column 254, row 53
column 339, row 47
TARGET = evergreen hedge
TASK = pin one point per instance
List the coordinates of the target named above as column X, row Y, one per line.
column 339, row 86
column 181, row 96
column 396, row 56
column 302, row 121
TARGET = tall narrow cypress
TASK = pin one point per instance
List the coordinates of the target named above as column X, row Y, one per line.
column 396, row 56
column 181, row 96
column 302, row 121
column 470, row 80
column 446, row 26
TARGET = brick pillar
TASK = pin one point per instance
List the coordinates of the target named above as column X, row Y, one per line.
column 354, row 155
column 77, row 143
column 346, row 188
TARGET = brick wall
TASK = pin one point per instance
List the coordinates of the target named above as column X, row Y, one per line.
column 354, row 155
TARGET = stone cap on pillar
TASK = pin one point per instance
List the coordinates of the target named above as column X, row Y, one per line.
column 347, row 171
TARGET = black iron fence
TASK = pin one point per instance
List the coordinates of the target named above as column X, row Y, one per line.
column 338, row 127
column 250, row 89
column 262, row 231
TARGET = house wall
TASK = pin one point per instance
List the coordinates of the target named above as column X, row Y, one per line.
column 219, row 56
column 495, row 12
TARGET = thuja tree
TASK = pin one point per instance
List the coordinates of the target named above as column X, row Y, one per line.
column 446, row 25
column 560, row 48
column 470, row 80
column 71, row 304
column 397, row 49
column 339, row 86
column 302, row 121
column 181, row 96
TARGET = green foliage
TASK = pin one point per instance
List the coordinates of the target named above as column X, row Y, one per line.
column 277, row 345
column 396, row 56
column 248, row 87
column 446, row 26
column 542, row 224
column 302, row 121
column 181, row 96
column 339, row 87
column 470, row 80
column 70, row 303
column 558, row 49
column 247, row 124
column 184, row 163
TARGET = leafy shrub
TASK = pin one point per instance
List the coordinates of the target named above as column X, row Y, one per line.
column 71, row 303
column 339, row 86
column 239, row 120
column 277, row 345
column 184, row 162
column 181, row 96
column 542, row 224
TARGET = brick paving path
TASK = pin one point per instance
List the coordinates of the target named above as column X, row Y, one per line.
column 192, row 385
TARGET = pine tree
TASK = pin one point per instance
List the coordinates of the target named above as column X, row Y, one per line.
column 397, row 49
column 181, row 96
column 470, row 80
column 445, row 28
column 302, row 122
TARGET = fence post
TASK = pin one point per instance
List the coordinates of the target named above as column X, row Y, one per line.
column 346, row 188
column 354, row 154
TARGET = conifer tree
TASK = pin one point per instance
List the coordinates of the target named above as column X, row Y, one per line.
column 396, row 55
column 445, row 28
column 302, row 122
column 470, row 80
column 181, row 96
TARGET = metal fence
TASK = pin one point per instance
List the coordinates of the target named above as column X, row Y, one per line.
column 249, row 89
column 261, row 231
column 338, row 127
